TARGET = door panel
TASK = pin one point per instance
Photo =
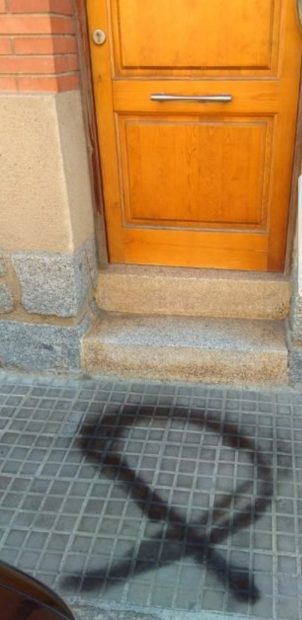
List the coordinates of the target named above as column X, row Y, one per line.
column 189, row 183
column 194, row 35
column 200, row 181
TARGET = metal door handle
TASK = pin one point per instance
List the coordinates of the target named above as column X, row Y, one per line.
column 192, row 98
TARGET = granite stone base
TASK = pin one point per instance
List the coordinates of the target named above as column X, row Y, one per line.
column 295, row 363
column 296, row 319
column 41, row 348
column 6, row 300
column 295, row 314
column 137, row 289
column 2, row 264
column 294, row 334
column 56, row 284
column 176, row 348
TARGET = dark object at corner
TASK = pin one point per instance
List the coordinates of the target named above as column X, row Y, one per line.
column 25, row 598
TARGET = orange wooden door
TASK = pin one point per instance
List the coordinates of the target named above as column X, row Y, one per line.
column 190, row 182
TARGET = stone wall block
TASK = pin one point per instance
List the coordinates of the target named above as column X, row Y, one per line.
column 295, row 365
column 294, row 330
column 56, row 284
column 37, row 348
column 296, row 317
column 88, row 255
column 2, row 264
column 6, row 299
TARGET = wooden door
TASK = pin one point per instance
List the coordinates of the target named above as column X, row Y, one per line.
column 189, row 182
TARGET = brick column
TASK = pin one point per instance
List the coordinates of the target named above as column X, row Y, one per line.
column 47, row 241
column 38, row 50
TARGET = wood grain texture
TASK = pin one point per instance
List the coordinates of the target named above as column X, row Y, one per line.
column 194, row 36
column 187, row 172
column 190, row 184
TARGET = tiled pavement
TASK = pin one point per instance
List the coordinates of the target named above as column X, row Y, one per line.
column 150, row 500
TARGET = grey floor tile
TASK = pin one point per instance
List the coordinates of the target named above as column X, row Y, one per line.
column 171, row 510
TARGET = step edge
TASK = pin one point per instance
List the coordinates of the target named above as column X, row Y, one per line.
column 130, row 325
column 143, row 271
column 139, row 293
column 211, row 369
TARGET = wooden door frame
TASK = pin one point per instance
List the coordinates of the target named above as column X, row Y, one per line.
column 293, row 203
column 90, row 125
column 90, row 119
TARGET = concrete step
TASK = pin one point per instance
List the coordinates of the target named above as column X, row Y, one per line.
column 193, row 292
column 187, row 348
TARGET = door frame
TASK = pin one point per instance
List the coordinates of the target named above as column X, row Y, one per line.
column 90, row 120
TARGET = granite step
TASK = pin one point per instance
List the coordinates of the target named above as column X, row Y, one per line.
column 193, row 292
column 245, row 352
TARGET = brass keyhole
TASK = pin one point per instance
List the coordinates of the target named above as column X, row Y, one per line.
column 99, row 36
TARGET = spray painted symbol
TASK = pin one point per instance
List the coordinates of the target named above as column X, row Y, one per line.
column 97, row 442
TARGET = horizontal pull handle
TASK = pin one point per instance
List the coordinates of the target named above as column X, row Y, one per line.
column 193, row 98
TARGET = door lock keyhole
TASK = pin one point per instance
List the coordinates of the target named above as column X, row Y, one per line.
column 99, row 36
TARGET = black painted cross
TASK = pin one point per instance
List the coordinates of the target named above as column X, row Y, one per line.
column 181, row 538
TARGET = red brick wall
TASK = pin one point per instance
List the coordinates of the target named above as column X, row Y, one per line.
column 38, row 49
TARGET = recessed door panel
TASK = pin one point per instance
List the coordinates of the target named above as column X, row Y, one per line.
column 196, row 35
column 195, row 172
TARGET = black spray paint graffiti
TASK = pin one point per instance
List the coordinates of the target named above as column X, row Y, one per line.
column 97, row 441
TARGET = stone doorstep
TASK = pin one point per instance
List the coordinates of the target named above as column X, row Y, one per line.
column 193, row 292
column 246, row 352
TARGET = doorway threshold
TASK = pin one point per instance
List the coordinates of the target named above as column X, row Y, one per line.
column 193, row 292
